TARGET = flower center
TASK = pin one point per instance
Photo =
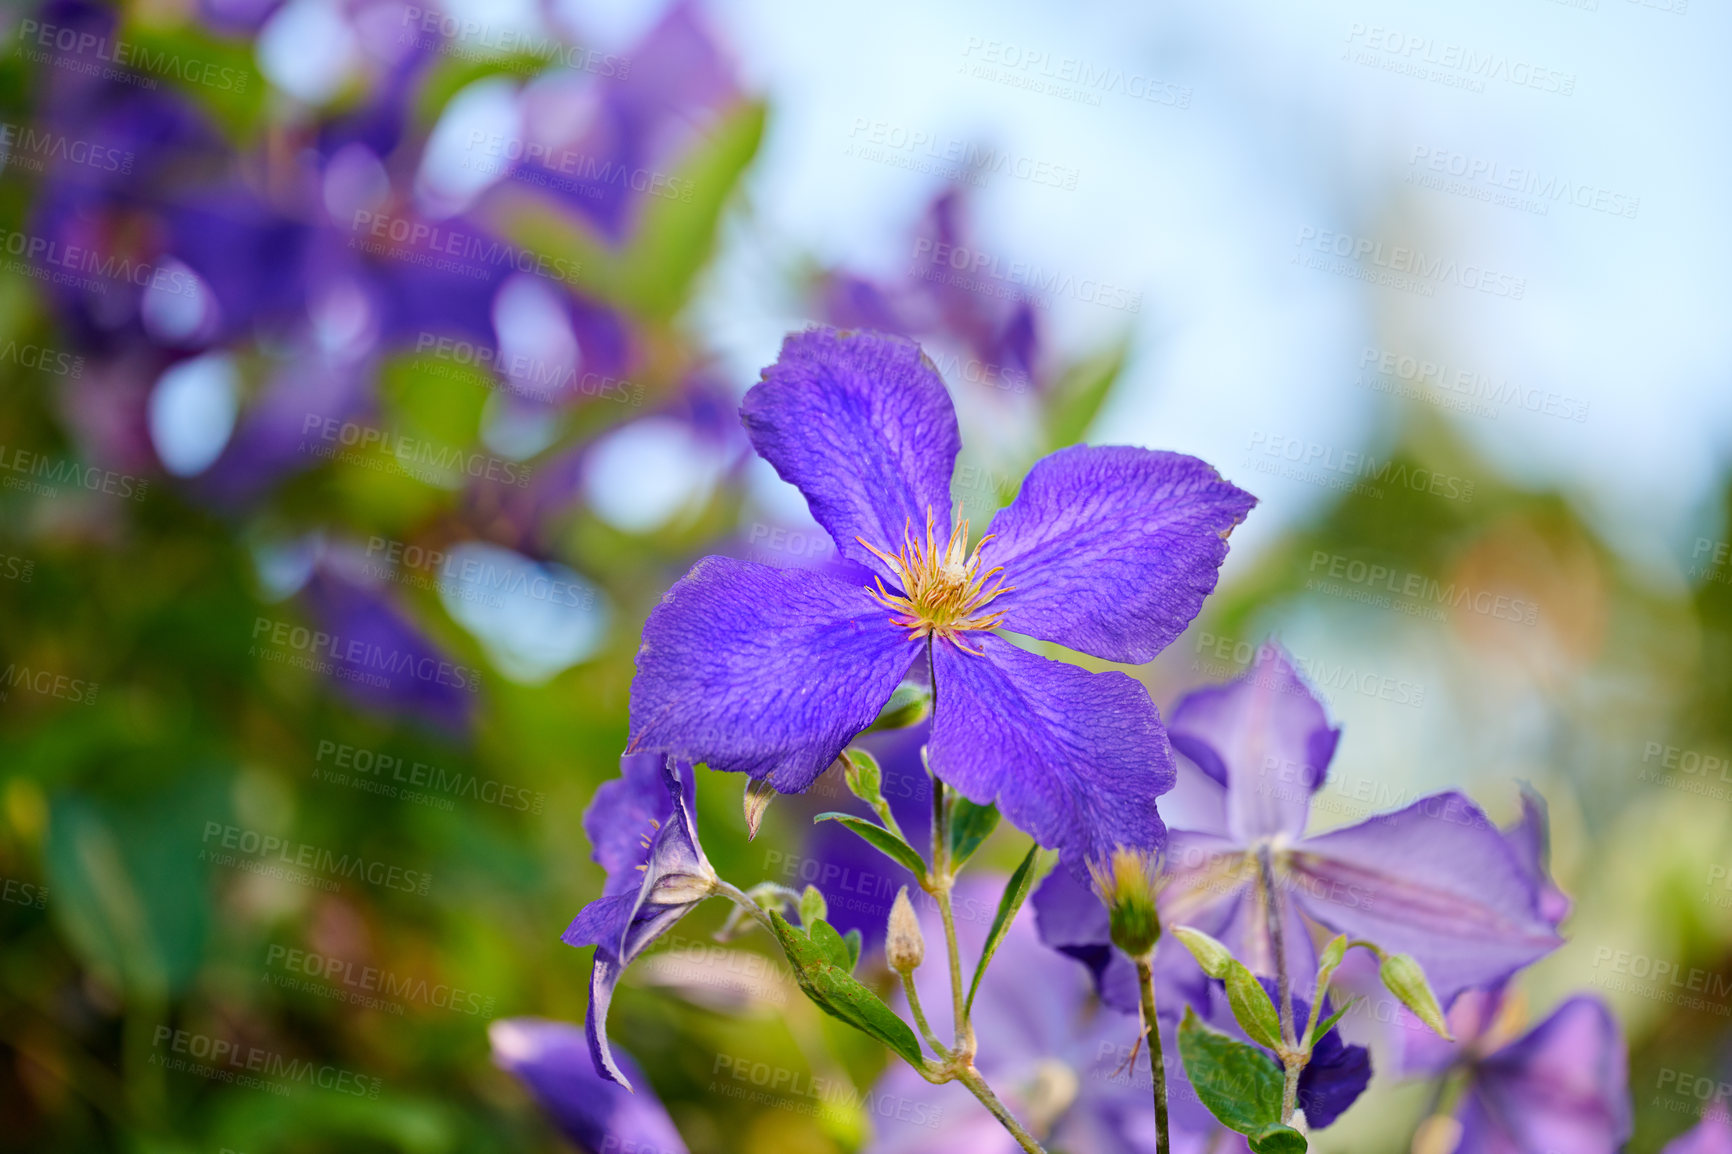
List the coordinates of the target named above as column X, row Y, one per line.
column 944, row 591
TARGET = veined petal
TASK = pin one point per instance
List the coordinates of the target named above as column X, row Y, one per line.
column 1436, row 880
column 604, row 974
column 862, row 424
column 1266, row 738
column 1111, row 550
column 622, row 815
column 763, row 671
column 1563, row 1086
column 1074, row 759
column 551, row 1058
column 1213, row 885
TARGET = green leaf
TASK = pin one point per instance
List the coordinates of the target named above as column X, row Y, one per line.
column 1011, row 901
column 1211, row 955
column 1328, row 1024
column 854, row 942
column 1240, row 1085
column 813, row 907
column 830, row 944
column 909, row 705
column 970, row 825
column 881, row 840
column 1255, row 1013
column 1076, row 398
column 839, row 994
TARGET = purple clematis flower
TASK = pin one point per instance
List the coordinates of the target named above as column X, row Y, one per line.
column 1436, row 880
column 552, row 1059
column 1111, row 551
column 1564, row 1085
column 1713, row 1135
column 645, row 837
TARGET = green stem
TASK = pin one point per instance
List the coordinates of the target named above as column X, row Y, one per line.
column 942, row 881
column 1146, row 979
column 740, row 899
column 977, row 1086
column 914, row 1007
column 1291, row 1058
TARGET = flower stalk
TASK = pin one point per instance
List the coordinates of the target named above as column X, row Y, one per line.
column 1293, row 1056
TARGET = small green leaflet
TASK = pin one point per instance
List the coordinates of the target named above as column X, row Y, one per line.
column 970, row 825
column 839, row 994
column 881, row 840
column 1240, row 1084
column 1015, row 891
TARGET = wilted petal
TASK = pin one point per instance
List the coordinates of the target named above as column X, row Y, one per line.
column 763, row 671
column 1074, row 759
column 1564, row 1086
column 1436, row 880
column 551, row 1058
column 1266, row 738
column 1112, row 550
column 861, row 423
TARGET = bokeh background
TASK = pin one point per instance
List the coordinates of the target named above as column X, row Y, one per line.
column 368, row 369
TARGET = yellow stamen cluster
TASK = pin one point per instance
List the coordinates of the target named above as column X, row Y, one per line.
column 944, row 590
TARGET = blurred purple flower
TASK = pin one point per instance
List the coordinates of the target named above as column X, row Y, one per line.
column 644, row 835
column 552, row 1060
column 1713, row 1135
column 945, row 296
column 771, row 672
column 1059, row 1060
column 1436, row 880
column 1564, row 1085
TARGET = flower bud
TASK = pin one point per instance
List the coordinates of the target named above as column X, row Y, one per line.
column 1129, row 884
column 1402, row 977
column 904, row 948
column 865, row 780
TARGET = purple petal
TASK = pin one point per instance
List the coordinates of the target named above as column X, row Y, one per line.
column 1419, row 1050
column 1074, row 759
column 1266, row 738
column 1531, row 838
column 621, row 816
column 1213, row 886
column 551, row 1058
column 1564, row 1086
column 763, row 671
column 1336, row 1074
column 1436, row 880
column 1112, row 550
column 1712, row 1136
column 861, row 423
